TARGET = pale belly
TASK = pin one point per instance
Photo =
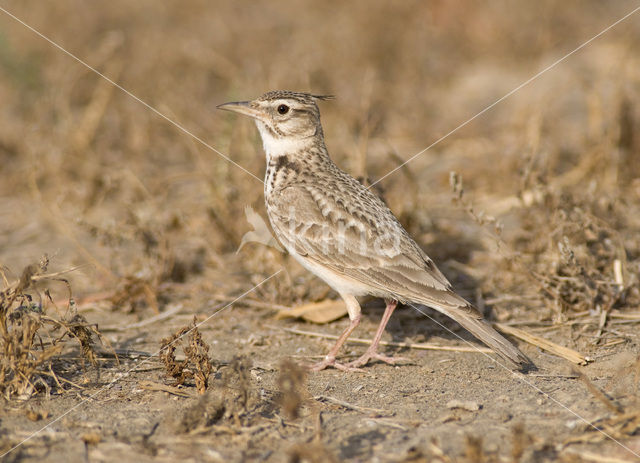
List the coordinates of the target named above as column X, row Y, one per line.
column 343, row 285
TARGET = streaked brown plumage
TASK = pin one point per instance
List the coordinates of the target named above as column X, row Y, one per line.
column 342, row 232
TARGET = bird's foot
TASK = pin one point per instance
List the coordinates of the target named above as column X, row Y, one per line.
column 373, row 355
column 331, row 362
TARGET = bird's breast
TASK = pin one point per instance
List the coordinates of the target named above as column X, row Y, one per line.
column 280, row 171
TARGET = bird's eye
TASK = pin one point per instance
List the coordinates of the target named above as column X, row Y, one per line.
column 283, row 109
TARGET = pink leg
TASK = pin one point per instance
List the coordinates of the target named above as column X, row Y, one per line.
column 372, row 351
column 353, row 308
column 330, row 359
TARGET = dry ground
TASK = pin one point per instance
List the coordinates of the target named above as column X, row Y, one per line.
column 144, row 222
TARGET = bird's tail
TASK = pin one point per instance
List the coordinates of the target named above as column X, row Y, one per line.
column 482, row 330
column 472, row 321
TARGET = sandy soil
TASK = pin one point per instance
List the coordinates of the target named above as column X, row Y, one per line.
column 462, row 404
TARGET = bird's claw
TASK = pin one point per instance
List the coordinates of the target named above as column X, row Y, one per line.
column 331, row 362
column 373, row 355
column 357, row 364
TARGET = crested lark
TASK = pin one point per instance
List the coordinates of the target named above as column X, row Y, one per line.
column 339, row 230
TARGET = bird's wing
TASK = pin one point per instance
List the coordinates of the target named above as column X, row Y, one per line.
column 371, row 248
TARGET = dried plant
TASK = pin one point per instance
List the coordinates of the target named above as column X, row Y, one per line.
column 196, row 365
column 30, row 339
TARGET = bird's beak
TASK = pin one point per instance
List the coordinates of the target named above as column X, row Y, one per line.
column 242, row 107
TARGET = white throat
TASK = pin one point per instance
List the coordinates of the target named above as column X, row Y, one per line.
column 275, row 147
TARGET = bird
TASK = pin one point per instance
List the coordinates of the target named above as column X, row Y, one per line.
column 342, row 232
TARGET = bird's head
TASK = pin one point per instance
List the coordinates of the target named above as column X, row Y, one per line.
column 285, row 119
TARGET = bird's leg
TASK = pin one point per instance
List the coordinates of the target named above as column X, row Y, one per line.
column 372, row 351
column 353, row 308
column 330, row 359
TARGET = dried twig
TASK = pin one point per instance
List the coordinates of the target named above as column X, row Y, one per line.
column 342, row 403
column 252, row 303
column 585, row 455
column 147, row 321
column 561, row 351
column 408, row 345
column 152, row 386
column 597, row 393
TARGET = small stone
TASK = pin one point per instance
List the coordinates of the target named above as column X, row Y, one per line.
column 468, row 405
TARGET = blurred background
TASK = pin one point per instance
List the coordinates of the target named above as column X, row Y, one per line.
column 551, row 175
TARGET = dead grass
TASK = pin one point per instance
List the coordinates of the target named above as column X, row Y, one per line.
column 197, row 363
column 31, row 340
